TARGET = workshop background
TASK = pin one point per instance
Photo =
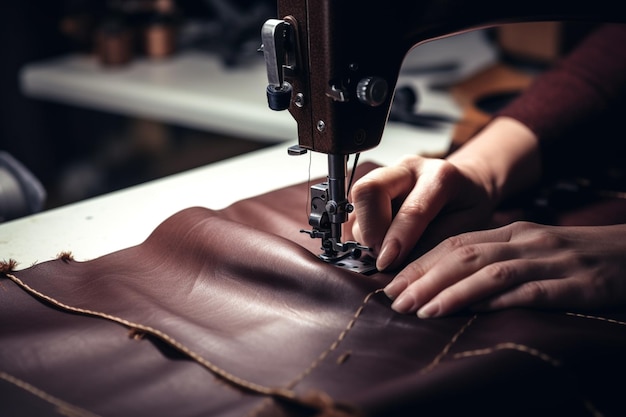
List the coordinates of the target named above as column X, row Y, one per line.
column 78, row 153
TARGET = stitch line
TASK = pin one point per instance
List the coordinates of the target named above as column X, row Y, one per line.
column 63, row 408
column 324, row 354
column 531, row 351
column 242, row 383
column 447, row 347
column 586, row 316
column 336, row 343
column 285, row 393
column 278, row 392
column 509, row 345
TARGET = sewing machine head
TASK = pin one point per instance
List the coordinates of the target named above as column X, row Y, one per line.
column 335, row 64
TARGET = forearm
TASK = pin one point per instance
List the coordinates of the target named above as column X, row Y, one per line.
column 506, row 155
column 578, row 90
column 504, row 158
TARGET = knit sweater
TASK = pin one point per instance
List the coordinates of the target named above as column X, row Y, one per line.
column 577, row 109
column 580, row 89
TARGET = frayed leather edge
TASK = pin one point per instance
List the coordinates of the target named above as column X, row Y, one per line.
column 65, row 256
column 10, row 266
column 6, row 267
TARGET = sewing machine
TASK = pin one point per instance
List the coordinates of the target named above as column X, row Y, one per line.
column 334, row 65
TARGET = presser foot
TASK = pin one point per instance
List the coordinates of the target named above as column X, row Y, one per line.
column 365, row 265
column 346, row 255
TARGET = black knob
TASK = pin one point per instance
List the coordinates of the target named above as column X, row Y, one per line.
column 278, row 98
column 372, row 91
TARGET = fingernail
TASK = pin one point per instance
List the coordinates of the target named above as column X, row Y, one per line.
column 394, row 288
column 388, row 254
column 403, row 304
column 428, row 311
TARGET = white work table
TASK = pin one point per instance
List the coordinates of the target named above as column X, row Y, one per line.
column 124, row 218
column 192, row 89
column 121, row 219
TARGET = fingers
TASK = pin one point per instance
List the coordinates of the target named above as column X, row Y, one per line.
column 508, row 283
column 461, row 271
column 549, row 293
column 420, row 207
column 447, row 250
column 522, row 264
column 424, row 185
column 372, row 197
column 467, row 276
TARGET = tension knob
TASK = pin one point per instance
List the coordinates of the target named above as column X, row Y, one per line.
column 372, row 91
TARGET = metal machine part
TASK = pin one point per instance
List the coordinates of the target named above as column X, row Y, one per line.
column 277, row 46
column 329, row 211
column 329, row 203
column 335, row 64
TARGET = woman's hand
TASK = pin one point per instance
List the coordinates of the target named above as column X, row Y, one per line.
column 522, row 264
column 436, row 199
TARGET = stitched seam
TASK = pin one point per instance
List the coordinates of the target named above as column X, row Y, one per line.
column 509, row 345
column 447, row 347
column 63, row 408
column 285, row 393
column 324, row 354
column 336, row 343
column 585, row 316
column 530, row 351
column 240, row 382
column 264, row 389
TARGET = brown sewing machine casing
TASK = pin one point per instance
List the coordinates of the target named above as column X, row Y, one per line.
column 344, row 47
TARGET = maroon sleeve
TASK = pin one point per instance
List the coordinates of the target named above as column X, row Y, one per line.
column 579, row 89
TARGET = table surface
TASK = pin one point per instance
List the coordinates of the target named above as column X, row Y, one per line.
column 191, row 89
column 101, row 225
column 124, row 218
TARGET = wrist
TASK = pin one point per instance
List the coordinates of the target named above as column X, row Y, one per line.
column 503, row 158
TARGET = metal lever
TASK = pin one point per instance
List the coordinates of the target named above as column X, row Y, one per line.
column 278, row 53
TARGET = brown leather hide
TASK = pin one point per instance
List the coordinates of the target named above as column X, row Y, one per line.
column 228, row 313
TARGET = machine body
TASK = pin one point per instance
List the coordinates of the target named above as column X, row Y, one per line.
column 334, row 65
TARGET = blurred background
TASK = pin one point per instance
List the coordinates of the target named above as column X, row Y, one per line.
column 77, row 152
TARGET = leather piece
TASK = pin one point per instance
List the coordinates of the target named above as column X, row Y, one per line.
column 228, row 313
